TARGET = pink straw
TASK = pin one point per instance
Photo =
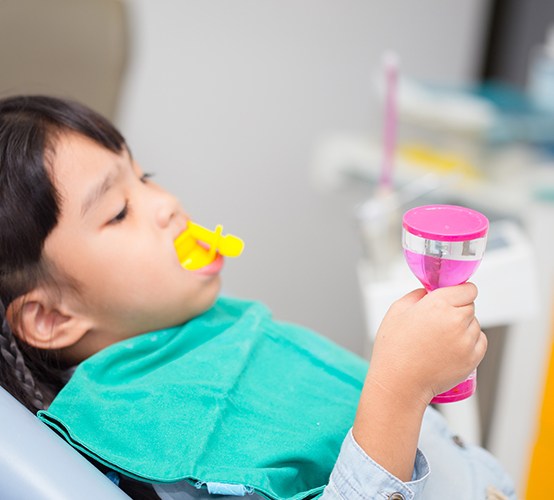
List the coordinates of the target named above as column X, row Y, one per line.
column 390, row 63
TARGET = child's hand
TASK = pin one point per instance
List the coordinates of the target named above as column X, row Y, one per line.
column 428, row 343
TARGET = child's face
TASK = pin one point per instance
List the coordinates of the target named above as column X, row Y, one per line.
column 115, row 238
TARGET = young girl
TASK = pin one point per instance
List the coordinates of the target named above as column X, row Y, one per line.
column 186, row 394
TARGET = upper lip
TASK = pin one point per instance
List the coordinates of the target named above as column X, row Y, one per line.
column 180, row 227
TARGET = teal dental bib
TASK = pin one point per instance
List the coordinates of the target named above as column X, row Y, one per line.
column 230, row 397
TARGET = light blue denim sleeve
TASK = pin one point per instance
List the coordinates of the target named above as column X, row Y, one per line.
column 460, row 470
column 357, row 477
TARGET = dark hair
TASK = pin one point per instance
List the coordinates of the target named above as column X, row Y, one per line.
column 29, row 211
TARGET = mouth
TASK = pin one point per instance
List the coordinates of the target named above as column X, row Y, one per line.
column 213, row 267
column 201, row 250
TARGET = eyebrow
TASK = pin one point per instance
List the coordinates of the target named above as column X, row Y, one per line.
column 96, row 193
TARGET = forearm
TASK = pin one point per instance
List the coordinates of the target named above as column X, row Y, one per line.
column 387, row 427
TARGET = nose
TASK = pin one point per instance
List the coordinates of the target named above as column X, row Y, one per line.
column 167, row 208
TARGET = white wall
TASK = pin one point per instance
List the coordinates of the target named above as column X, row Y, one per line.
column 226, row 100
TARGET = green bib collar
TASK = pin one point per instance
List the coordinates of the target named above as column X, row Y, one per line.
column 229, row 397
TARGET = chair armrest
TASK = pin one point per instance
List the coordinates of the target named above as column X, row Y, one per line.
column 36, row 463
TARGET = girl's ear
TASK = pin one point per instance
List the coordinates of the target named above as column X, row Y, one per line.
column 44, row 323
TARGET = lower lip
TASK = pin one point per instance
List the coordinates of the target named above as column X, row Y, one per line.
column 212, row 268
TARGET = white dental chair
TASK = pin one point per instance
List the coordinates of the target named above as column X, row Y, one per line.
column 36, row 463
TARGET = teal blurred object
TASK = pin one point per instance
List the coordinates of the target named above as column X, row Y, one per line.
column 518, row 119
column 504, row 97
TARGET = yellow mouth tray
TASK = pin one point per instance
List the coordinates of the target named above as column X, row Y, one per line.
column 198, row 246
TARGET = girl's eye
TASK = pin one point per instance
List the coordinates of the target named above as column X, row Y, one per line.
column 144, row 177
column 121, row 215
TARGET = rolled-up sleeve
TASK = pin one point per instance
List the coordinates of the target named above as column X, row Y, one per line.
column 356, row 476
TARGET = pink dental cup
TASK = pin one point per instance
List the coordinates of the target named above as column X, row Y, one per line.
column 443, row 246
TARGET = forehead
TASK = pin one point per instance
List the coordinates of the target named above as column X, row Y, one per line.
column 77, row 153
column 78, row 161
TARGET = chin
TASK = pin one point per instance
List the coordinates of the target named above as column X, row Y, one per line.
column 209, row 303
column 200, row 307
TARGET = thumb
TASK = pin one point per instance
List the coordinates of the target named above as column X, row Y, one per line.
column 410, row 299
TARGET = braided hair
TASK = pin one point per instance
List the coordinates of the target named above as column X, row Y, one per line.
column 29, row 211
column 25, row 388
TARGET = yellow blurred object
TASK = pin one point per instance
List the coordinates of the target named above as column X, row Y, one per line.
column 197, row 246
column 539, row 481
column 439, row 162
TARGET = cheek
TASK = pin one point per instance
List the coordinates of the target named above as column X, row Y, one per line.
column 72, row 262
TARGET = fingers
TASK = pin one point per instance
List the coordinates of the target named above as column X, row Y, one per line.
column 459, row 295
column 467, row 312
column 478, row 341
column 410, row 298
column 481, row 341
